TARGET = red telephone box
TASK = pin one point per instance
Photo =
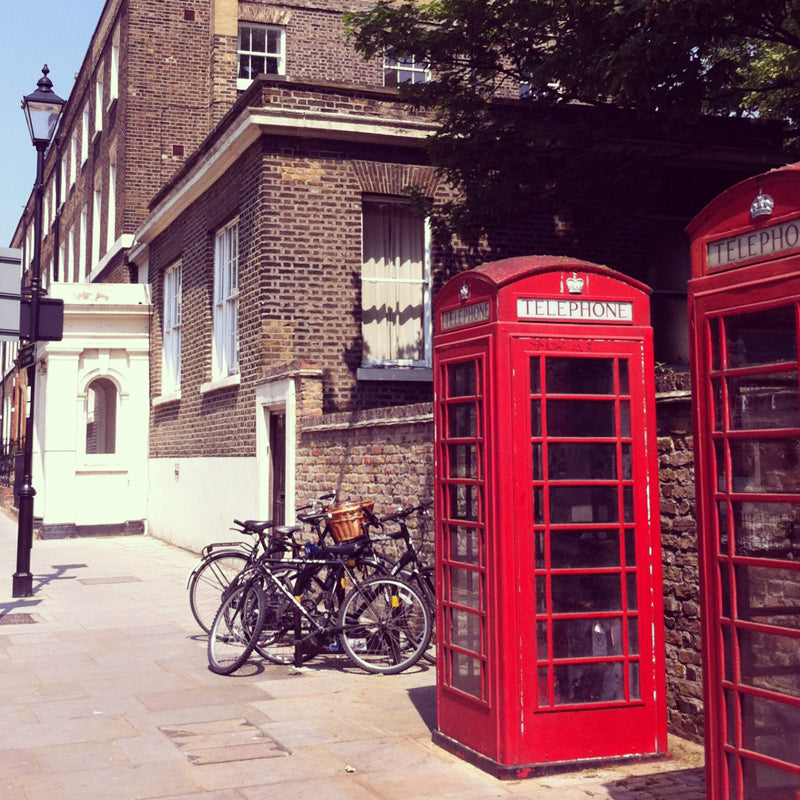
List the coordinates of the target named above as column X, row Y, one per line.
column 744, row 309
column 550, row 629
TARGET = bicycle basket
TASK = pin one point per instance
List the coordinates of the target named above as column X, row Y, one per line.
column 345, row 521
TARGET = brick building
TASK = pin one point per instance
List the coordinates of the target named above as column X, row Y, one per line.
column 248, row 291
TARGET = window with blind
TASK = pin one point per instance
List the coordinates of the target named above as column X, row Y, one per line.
column 226, row 301
column 395, row 285
column 171, row 363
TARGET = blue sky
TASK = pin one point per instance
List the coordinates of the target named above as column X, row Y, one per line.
column 52, row 32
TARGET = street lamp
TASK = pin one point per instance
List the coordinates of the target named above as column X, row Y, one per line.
column 42, row 111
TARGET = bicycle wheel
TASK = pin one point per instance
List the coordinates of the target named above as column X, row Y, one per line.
column 210, row 580
column 424, row 578
column 235, row 628
column 276, row 639
column 386, row 625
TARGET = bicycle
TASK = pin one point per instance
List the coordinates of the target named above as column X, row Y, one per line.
column 382, row 624
column 221, row 562
column 409, row 566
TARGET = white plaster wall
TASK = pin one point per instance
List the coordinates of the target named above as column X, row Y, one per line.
column 193, row 501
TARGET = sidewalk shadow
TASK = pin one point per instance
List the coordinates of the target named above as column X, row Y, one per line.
column 424, row 700
column 59, row 574
column 688, row 784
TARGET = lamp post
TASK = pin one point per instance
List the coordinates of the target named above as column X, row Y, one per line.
column 42, row 111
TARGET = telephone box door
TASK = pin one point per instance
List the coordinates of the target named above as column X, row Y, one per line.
column 749, row 427
column 581, row 442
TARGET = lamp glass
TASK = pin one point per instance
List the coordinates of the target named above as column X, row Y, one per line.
column 42, row 118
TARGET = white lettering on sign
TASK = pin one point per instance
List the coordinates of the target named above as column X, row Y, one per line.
column 466, row 315
column 581, row 310
column 757, row 244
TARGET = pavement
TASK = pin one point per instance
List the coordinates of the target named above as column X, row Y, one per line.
column 105, row 694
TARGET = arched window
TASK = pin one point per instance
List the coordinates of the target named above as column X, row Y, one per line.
column 101, row 417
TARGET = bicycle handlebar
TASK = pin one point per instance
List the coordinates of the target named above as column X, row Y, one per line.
column 404, row 513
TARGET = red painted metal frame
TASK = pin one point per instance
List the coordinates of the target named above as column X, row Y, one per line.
column 503, row 728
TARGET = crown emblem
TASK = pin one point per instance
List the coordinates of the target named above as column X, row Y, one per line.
column 762, row 206
column 574, row 284
column 463, row 292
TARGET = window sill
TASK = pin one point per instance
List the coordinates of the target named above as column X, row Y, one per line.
column 221, row 383
column 106, row 466
column 419, row 374
column 165, row 399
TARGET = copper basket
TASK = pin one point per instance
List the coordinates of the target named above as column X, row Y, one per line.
column 345, row 521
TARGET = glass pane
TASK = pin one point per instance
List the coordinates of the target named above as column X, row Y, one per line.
column 588, row 683
column 465, row 672
column 767, row 530
column 465, row 630
column 633, row 679
column 538, row 505
column 541, row 594
column 463, row 502
column 584, row 549
column 259, row 40
column 768, row 595
column 463, row 460
column 725, row 590
column 464, row 544
column 583, row 504
column 771, row 728
column 571, row 460
column 586, row 593
column 716, row 399
column 536, row 417
column 713, row 325
column 465, row 587
column 587, row 638
column 719, row 459
column 633, row 602
column 770, row 662
column 722, row 514
column 624, row 381
column 273, row 41
column 257, row 66
column 462, row 421
column 767, row 783
column 630, row 548
column 727, row 654
column 540, row 550
column 272, row 65
column 627, row 504
column 101, row 417
column 536, row 462
column 579, row 375
column 766, row 465
column 762, row 337
column 581, row 418
column 541, row 641
column 627, row 462
column 535, row 377
column 461, row 380
column 625, row 419
column 633, row 636
column 764, row 401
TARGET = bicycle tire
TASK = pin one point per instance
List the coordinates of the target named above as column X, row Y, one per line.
column 276, row 639
column 425, row 579
column 386, row 625
column 209, row 582
column 235, row 628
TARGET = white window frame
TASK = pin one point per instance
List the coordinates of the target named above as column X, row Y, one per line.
column 395, row 359
column 225, row 357
column 97, row 212
column 412, row 70
column 98, row 102
column 113, row 78
column 246, row 54
column 173, row 318
column 111, row 220
column 83, row 269
column 73, row 159
column 85, row 134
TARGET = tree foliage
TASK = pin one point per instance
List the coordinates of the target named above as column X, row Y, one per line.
column 591, row 72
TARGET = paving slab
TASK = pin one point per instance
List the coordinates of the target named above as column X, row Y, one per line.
column 105, row 694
